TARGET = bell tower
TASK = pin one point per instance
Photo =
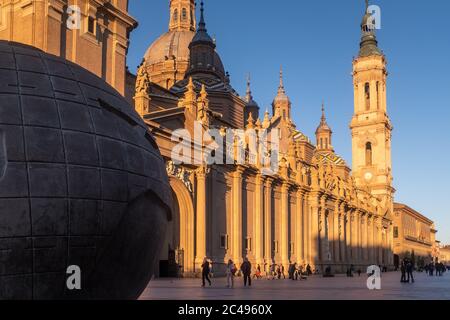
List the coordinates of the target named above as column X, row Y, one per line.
column 371, row 127
column 324, row 134
column 182, row 15
column 281, row 104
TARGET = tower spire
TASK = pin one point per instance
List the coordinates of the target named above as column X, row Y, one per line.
column 281, row 87
column 281, row 104
column 202, row 34
column 202, row 23
column 249, row 90
column 324, row 119
column 369, row 43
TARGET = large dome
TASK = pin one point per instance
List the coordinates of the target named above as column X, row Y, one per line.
column 82, row 183
column 171, row 45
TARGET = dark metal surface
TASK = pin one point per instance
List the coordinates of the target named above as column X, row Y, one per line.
column 81, row 182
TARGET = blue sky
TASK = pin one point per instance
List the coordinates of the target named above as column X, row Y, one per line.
column 315, row 42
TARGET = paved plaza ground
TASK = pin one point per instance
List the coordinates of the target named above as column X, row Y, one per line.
column 315, row 288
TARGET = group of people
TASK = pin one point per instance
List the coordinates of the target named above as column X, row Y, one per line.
column 231, row 272
column 407, row 268
column 295, row 272
column 437, row 269
column 298, row 272
column 246, row 270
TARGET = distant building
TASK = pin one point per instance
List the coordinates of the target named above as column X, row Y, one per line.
column 414, row 236
column 444, row 255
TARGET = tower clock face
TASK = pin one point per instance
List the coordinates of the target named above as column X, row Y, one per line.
column 368, row 176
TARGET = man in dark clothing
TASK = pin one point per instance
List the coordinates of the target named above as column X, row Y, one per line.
column 291, row 271
column 205, row 272
column 409, row 271
column 246, row 269
column 308, row 270
column 403, row 271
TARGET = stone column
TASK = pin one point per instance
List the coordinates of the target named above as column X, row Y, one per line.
column 320, row 230
column 331, row 234
column 342, row 244
column 391, row 249
column 308, row 230
column 370, row 239
column 258, row 232
column 381, row 242
column 323, row 231
column 365, row 256
column 337, row 235
column 236, row 235
column 375, row 239
column 358, row 237
column 201, row 174
column 353, row 236
column 284, row 232
column 299, row 229
column 268, row 223
column 348, row 237
column 314, row 238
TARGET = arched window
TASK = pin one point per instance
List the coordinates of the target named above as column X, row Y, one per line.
column 369, row 154
column 284, row 114
column 175, row 15
column 326, row 143
column 184, row 14
column 367, row 95
column 321, row 143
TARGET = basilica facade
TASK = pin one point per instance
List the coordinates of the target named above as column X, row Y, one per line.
column 313, row 210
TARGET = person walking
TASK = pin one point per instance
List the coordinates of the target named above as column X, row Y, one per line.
column 205, row 272
column 409, row 271
column 291, row 271
column 257, row 274
column 295, row 272
column 403, row 271
column 282, row 272
column 300, row 272
column 230, row 272
column 269, row 272
column 246, row 269
column 271, row 275
column 308, row 270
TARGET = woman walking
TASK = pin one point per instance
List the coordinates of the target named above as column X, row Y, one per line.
column 205, row 272
column 231, row 270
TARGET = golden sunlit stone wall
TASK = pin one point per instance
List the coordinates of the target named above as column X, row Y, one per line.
column 100, row 43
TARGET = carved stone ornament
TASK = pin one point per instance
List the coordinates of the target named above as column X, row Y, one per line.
column 181, row 173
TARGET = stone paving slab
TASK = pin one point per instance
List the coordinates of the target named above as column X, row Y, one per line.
column 315, row 288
